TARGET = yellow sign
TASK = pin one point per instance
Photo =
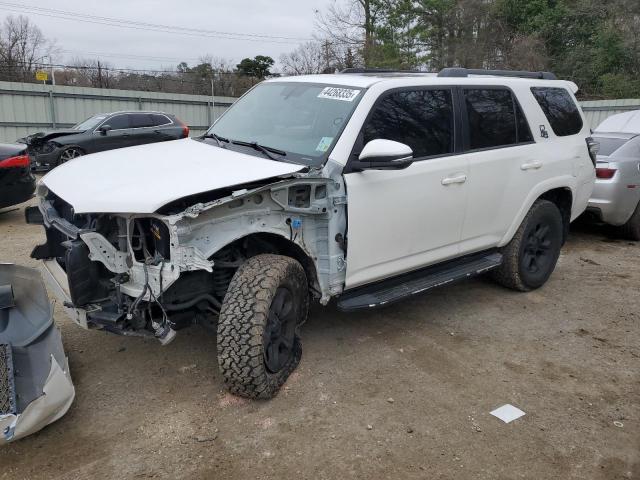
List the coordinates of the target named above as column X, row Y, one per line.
column 42, row 76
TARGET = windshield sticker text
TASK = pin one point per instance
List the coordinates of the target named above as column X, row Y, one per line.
column 325, row 143
column 343, row 94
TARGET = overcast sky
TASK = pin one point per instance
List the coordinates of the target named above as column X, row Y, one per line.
column 282, row 18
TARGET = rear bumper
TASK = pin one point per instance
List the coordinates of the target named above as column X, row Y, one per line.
column 18, row 192
column 613, row 201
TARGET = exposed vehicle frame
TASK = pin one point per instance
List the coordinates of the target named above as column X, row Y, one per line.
column 247, row 255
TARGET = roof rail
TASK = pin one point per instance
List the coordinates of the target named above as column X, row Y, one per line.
column 465, row 72
column 377, row 70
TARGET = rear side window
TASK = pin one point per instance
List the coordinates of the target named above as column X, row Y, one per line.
column 141, row 120
column 118, row 122
column 422, row 119
column 560, row 109
column 495, row 119
column 158, row 119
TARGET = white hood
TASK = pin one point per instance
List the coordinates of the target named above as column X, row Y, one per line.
column 144, row 178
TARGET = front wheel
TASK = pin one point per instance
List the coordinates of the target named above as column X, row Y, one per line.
column 69, row 153
column 531, row 255
column 258, row 344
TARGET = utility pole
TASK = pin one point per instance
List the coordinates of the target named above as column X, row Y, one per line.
column 53, row 73
column 213, row 99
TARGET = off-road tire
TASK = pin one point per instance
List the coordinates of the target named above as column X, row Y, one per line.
column 631, row 229
column 243, row 320
column 512, row 273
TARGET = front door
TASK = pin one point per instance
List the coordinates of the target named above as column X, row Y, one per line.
column 119, row 136
column 401, row 220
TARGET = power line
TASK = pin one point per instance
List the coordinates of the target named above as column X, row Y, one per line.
column 135, row 25
column 129, row 56
column 111, row 69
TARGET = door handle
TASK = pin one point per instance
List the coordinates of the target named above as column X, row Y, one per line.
column 457, row 179
column 531, row 166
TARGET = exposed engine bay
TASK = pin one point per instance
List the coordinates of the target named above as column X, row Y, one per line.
column 154, row 274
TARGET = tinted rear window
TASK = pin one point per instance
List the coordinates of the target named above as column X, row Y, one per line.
column 422, row 119
column 159, row 119
column 495, row 119
column 141, row 120
column 560, row 110
column 609, row 145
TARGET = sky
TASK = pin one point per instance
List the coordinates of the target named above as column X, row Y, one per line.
column 132, row 47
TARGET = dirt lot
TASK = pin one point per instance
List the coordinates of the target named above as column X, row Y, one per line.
column 403, row 392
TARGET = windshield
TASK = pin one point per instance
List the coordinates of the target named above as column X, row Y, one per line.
column 90, row 123
column 302, row 119
column 608, row 145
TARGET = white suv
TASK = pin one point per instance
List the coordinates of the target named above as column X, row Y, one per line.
column 365, row 186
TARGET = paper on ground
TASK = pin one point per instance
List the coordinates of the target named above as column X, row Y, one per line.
column 507, row 413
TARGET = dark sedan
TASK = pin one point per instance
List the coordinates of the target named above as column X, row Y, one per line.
column 17, row 183
column 102, row 132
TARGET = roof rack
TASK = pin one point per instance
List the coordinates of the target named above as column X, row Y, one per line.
column 377, row 70
column 465, row 72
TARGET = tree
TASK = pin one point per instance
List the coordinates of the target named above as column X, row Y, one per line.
column 23, row 48
column 257, row 67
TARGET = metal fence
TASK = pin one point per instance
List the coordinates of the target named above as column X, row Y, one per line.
column 28, row 108
column 596, row 111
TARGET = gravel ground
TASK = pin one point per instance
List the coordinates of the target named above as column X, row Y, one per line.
column 402, row 392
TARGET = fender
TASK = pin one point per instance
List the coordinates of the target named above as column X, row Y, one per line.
column 563, row 181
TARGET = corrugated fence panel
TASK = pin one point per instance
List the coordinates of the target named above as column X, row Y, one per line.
column 27, row 108
column 597, row 110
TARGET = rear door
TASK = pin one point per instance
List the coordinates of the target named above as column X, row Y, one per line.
column 144, row 129
column 401, row 220
column 504, row 163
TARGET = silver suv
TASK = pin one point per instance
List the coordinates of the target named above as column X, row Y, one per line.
column 366, row 186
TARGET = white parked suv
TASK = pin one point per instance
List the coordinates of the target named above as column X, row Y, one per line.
column 366, row 186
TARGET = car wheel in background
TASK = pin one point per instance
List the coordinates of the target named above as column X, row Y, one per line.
column 531, row 255
column 631, row 229
column 69, row 153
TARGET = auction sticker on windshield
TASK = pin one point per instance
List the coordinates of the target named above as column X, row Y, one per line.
column 335, row 93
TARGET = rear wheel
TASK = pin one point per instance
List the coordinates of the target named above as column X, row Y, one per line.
column 631, row 229
column 531, row 256
column 258, row 344
column 69, row 153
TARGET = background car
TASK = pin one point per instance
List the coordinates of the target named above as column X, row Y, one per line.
column 102, row 132
column 17, row 183
column 616, row 195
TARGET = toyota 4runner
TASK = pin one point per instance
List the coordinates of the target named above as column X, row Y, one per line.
column 366, row 186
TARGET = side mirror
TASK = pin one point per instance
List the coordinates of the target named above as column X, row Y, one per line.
column 384, row 155
column 104, row 129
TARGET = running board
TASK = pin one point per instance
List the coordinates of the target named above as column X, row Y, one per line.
column 408, row 284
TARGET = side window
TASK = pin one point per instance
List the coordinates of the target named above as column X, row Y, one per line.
column 560, row 110
column 141, row 120
column 159, row 119
column 118, row 122
column 492, row 118
column 422, row 119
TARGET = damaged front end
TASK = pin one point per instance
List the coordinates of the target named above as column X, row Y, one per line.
column 155, row 273
column 35, row 385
